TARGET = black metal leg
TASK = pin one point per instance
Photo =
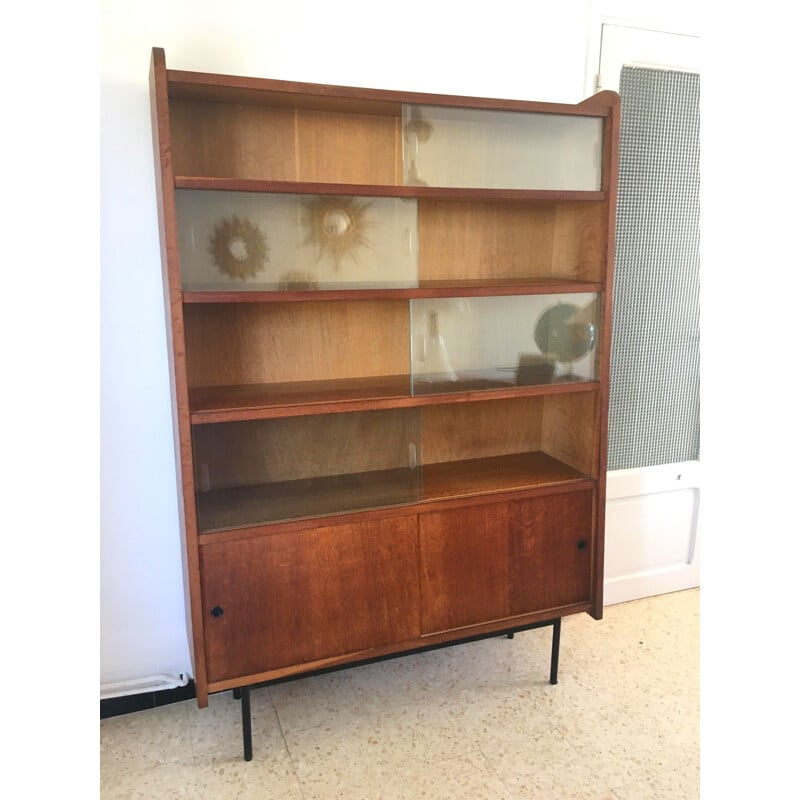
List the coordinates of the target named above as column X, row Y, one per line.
column 510, row 635
column 554, row 652
column 247, row 734
column 237, row 693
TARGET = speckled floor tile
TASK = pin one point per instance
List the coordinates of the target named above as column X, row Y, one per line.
column 677, row 784
column 398, row 683
column 263, row 777
column 216, row 731
column 498, row 717
column 313, row 702
column 422, row 735
column 546, row 767
column 341, row 761
column 576, row 693
column 237, row 780
column 146, row 738
column 623, row 747
column 174, row 781
column 468, row 777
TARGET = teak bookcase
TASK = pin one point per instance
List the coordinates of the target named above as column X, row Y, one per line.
column 389, row 325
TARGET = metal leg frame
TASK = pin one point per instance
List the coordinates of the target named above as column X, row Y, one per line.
column 243, row 693
column 554, row 651
column 556, row 623
column 247, row 733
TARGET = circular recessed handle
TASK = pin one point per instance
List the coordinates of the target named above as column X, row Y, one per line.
column 582, row 544
column 217, row 611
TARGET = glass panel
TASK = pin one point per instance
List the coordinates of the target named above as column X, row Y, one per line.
column 460, row 147
column 251, row 473
column 464, row 344
column 247, row 241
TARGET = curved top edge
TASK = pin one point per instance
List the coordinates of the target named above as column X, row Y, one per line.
column 606, row 99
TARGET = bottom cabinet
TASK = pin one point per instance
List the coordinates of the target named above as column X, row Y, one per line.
column 505, row 559
column 295, row 597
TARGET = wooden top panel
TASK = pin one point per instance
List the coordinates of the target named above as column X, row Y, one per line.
column 294, row 94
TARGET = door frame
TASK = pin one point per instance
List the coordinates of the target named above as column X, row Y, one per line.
column 643, row 556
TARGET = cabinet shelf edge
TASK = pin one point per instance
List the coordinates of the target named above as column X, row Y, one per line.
column 476, row 289
column 256, row 411
column 208, row 183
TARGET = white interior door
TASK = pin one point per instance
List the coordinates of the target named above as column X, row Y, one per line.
column 653, row 510
column 627, row 43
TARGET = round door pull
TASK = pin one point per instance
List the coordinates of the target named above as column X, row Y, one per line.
column 217, row 611
column 582, row 543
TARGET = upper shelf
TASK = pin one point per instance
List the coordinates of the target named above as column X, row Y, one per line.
column 500, row 287
column 240, row 242
column 325, row 140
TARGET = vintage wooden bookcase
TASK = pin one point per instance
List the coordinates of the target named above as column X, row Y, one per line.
column 389, row 325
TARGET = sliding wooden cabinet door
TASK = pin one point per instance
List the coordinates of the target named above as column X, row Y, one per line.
column 507, row 559
column 293, row 598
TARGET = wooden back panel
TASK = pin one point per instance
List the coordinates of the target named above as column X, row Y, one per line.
column 267, row 451
column 348, row 148
column 229, row 344
column 476, row 430
column 489, row 239
column 569, row 430
column 284, row 144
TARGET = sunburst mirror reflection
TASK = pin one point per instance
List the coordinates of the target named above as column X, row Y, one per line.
column 239, row 248
column 337, row 227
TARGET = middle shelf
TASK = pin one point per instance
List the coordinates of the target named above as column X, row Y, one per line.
column 262, row 360
column 212, row 404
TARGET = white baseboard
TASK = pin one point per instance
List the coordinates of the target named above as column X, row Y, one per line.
column 149, row 683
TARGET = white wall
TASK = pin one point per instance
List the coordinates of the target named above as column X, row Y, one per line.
column 526, row 50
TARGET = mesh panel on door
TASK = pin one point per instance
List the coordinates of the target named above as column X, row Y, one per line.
column 655, row 359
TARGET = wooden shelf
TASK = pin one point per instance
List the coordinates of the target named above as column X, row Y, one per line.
column 213, row 404
column 379, row 190
column 251, row 506
column 501, row 287
column 479, row 476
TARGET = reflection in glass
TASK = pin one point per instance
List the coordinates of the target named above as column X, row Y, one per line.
column 465, row 344
column 248, row 241
column 477, row 148
column 416, row 131
column 566, row 332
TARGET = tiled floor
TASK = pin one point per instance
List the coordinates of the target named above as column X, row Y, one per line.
column 474, row 721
